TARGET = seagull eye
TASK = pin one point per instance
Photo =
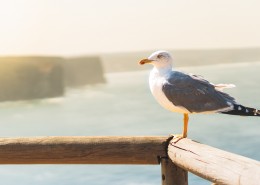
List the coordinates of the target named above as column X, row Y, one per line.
column 159, row 56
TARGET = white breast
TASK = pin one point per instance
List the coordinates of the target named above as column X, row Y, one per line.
column 156, row 82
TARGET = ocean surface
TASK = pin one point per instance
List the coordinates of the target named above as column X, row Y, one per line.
column 125, row 107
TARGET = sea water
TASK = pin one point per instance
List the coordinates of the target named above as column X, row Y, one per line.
column 125, row 107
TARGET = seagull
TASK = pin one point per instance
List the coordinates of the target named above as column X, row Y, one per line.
column 188, row 94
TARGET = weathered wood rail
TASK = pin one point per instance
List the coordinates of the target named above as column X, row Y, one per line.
column 176, row 159
column 215, row 165
column 82, row 150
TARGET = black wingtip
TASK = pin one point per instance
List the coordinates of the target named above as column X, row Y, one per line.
column 241, row 110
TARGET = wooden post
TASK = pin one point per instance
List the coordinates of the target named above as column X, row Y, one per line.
column 215, row 165
column 172, row 174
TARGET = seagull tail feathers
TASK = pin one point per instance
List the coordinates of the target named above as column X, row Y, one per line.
column 241, row 110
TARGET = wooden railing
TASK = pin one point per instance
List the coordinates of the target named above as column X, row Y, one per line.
column 176, row 159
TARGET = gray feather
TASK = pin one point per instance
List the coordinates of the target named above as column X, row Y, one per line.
column 194, row 93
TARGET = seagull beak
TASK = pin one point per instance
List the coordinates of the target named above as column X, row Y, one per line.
column 145, row 61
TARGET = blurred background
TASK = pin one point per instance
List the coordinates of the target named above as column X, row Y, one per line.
column 70, row 67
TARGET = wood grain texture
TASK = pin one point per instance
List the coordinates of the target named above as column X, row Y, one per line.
column 82, row 150
column 213, row 164
column 172, row 174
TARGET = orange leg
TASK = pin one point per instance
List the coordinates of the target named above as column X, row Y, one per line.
column 185, row 125
column 178, row 137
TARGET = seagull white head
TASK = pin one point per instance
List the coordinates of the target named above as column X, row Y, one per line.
column 159, row 59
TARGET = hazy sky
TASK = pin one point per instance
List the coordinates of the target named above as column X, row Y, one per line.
column 71, row 27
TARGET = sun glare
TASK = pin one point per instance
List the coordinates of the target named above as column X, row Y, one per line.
column 67, row 27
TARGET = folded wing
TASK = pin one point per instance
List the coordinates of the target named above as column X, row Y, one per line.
column 196, row 94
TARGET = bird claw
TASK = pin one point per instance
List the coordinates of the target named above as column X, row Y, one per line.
column 176, row 137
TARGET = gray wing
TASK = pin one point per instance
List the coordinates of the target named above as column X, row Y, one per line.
column 195, row 93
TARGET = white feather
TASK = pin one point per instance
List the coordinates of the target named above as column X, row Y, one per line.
column 156, row 81
column 221, row 87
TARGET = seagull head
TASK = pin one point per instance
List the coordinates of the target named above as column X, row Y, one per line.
column 159, row 59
